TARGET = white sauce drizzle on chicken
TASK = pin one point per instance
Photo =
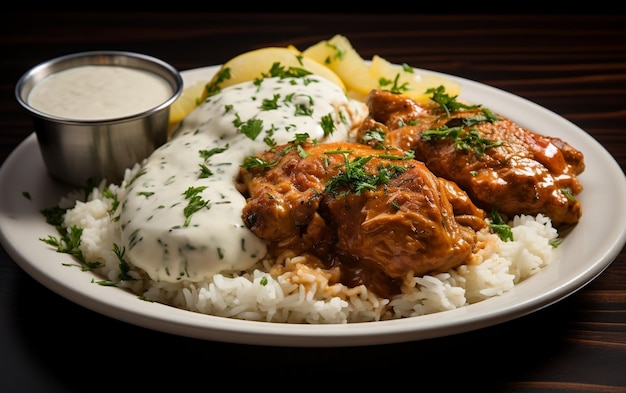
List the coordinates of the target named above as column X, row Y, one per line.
column 181, row 215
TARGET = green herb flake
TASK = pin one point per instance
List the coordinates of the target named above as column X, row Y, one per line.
column 446, row 102
column 277, row 70
column 328, row 124
column 68, row 242
column 123, row 265
column 568, row 194
column 107, row 193
column 395, row 87
column 54, row 215
column 205, row 172
column 268, row 105
column 338, row 53
column 301, row 152
column 354, row 178
column 195, row 204
column 555, row 243
column 250, row 128
column 250, row 162
column 205, row 154
column 215, row 87
column 463, row 140
column 497, row 225
column 374, row 135
column 139, row 173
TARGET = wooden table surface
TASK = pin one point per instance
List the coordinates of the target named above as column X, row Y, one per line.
column 574, row 65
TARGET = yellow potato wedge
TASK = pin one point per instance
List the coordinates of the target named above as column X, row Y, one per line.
column 339, row 55
column 257, row 63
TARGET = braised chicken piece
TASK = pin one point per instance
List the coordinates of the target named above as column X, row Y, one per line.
column 377, row 215
column 500, row 165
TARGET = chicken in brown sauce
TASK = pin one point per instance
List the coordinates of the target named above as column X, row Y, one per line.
column 501, row 165
column 374, row 214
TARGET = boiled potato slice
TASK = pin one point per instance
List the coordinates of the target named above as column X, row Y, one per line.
column 186, row 102
column 257, row 63
column 405, row 80
column 360, row 76
column 334, row 59
column 339, row 55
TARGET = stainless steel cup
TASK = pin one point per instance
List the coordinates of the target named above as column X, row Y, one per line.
column 79, row 151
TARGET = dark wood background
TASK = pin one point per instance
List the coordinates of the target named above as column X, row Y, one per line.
column 574, row 65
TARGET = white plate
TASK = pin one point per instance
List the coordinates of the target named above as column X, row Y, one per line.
column 587, row 250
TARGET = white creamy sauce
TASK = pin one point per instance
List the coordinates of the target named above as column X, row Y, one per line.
column 99, row 92
column 216, row 239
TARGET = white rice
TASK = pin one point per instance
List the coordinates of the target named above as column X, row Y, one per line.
column 289, row 291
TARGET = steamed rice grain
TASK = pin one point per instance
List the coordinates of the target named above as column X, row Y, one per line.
column 288, row 291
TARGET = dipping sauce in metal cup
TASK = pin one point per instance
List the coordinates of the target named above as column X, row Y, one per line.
column 98, row 113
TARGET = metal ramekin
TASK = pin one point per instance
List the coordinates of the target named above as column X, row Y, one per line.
column 78, row 151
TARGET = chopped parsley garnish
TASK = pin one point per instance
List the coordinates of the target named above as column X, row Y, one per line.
column 395, row 87
column 485, row 116
column 268, row 105
column 300, row 138
column 376, row 135
column 305, row 109
column 328, row 125
column 54, row 216
column 498, row 226
column 195, row 204
column 250, row 162
column 206, row 154
column 354, row 179
column 555, row 242
column 250, row 128
column 68, row 242
column 568, row 194
column 338, row 53
column 69, row 239
column 269, row 137
column 446, row 102
column 205, row 172
column 463, row 140
column 139, row 173
column 277, row 70
column 107, row 193
column 301, row 152
column 124, row 266
column 215, row 87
